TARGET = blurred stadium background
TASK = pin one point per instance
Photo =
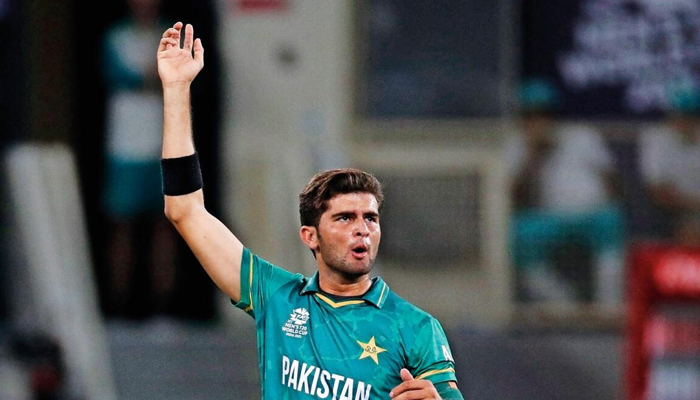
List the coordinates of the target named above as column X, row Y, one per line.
column 425, row 94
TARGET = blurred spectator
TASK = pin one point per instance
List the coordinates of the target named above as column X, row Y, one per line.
column 566, row 230
column 141, row 243
column 670, row 164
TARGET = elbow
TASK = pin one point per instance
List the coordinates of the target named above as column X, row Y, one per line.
column 173, row 214
column 179, row 208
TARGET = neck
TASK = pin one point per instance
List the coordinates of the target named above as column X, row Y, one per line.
column 342, row 285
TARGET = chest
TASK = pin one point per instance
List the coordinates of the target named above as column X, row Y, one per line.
column 345, row 350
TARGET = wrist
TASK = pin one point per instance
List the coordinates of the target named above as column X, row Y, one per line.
column 177, row 86
column 176, row 97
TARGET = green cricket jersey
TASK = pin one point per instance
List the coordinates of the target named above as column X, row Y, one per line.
column 311, row 346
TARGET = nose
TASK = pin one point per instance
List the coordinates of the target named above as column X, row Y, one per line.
column 361, row 228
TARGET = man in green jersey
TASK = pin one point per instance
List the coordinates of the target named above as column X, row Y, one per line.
column 338, row 335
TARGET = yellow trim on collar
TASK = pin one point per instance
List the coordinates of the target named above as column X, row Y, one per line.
column 379, row 302
column 340, row 303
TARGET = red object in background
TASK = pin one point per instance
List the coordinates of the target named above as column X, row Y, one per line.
column 664, row 320
column 677, row 273
column 669, row 336
column 256, row 6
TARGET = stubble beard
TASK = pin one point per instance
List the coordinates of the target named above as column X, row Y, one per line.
column 336, row 262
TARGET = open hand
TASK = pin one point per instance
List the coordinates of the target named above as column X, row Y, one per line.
column 414, row 389
column 179, row 65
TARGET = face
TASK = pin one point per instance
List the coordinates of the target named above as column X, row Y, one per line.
column 347, row 238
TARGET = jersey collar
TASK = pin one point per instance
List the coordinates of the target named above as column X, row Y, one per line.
column 376, row 295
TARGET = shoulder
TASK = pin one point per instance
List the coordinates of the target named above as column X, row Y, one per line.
column 256, row 267
column 406, row 310
column 418, row 330
column 294, row 278
column 289, row 285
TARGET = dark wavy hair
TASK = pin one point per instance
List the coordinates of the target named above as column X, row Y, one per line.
column 313, row 200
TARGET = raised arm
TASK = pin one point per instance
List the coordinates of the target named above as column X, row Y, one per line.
column 216, row 248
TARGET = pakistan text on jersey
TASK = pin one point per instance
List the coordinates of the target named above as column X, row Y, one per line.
column 317, row 382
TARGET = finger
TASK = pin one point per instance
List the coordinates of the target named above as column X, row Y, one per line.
column 174, row 31
column 189, row 37
column 199, row 51
column 413, row 395
column 170, row 32
column 166, row 43
column 407, row 386
column 417, row 394
column 405, row 375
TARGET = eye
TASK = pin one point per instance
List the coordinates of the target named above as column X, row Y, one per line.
column 344, row 218
column 371, row 219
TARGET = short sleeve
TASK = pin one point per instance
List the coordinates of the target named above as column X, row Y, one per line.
column 448, row 393
column 430, row 356
column 259, row 280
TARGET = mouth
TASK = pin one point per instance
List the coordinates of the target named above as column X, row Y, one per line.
column 360, row 251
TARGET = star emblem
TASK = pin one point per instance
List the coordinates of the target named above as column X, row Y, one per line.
column 371, row 350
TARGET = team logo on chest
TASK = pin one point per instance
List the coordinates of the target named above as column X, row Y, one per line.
column 371, row 350
column 296, row 325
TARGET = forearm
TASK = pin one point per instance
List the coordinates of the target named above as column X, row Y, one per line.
column 177, row 142
column 177, row 121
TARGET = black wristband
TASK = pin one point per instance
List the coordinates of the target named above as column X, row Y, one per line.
column 181, row 175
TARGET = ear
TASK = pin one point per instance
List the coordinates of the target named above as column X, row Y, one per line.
column 309, row 235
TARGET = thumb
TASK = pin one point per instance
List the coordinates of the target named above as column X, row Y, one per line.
column 199, row 51
column 405, row 375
